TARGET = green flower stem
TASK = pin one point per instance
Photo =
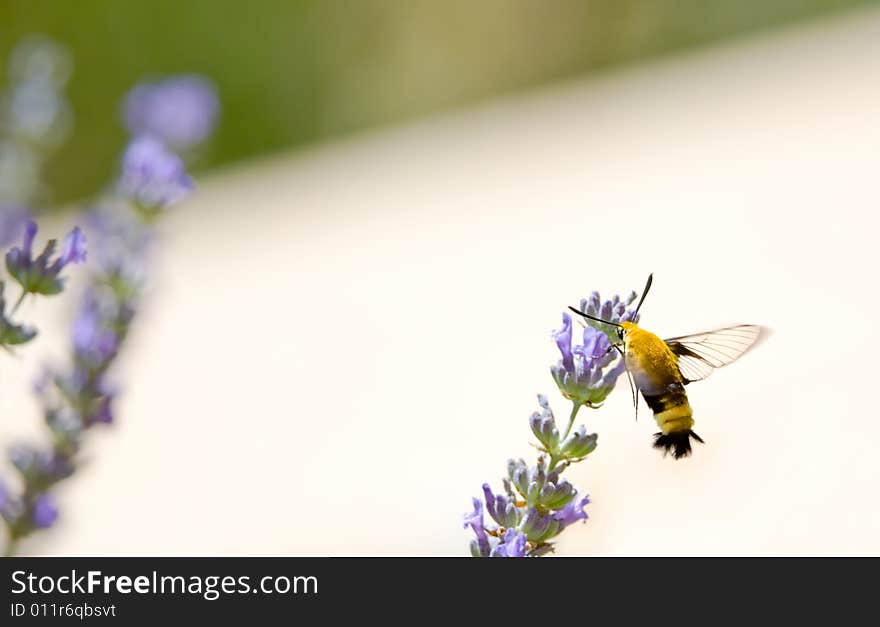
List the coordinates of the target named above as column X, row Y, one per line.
column 574, row 410
column 18, row 303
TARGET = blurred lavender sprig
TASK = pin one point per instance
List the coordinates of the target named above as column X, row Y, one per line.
column 32, row 508
column 82, row 395
column 536, row 503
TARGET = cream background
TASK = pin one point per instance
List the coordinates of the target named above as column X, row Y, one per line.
column 341, row 345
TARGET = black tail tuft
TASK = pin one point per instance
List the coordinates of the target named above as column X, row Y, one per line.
column 678, row 443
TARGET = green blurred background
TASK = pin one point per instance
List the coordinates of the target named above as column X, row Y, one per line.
column 295, row 72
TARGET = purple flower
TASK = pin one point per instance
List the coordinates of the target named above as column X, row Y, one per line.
column 30, row 232
column 562, row 337
column 479, row 547
column 180, row 111
column 514, row 545
column 74, row 247
column 22, row 256
column 93, row 341
column 40, row 275
column 12, row 219
column 595, row 344
column 45, row 513
column 152, row 176
column 572, row 512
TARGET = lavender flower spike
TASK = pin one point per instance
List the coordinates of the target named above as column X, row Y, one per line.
column 537, row 503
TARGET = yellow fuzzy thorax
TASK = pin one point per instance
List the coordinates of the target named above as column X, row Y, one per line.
column 649, row 354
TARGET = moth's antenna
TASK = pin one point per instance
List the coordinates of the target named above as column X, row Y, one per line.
column 644, row 293
column 585, row 315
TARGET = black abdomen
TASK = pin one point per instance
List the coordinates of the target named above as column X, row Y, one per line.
column 672, row 411
column 674, row 396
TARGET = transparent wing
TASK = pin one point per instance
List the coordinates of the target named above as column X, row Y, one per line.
column 700, row 354
column 693, row 368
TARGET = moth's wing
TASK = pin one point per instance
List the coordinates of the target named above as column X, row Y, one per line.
column 700, row 354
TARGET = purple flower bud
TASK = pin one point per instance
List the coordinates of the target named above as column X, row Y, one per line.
column 30, row 232
column 45, row 513
column 74, row 247
column 489, row 497
column 152, row 176
column 538, row 526
column 500, row 508
column 605, row 313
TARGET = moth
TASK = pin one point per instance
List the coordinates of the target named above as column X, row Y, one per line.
column 660, row 369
